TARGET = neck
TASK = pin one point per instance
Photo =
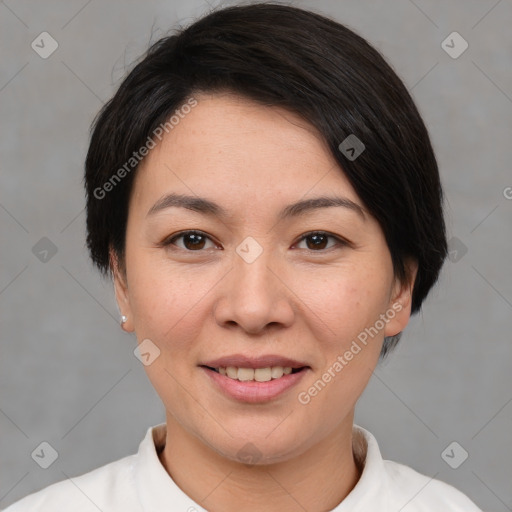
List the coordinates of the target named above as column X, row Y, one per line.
column 317, row 480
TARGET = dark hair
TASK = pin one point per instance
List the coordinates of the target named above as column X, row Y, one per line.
column 309, row 64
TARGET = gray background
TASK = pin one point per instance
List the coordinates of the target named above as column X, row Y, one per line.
column 68, row 373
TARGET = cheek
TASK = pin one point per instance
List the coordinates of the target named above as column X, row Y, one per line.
column 344, row 300
column 351, row 307
column 168, row 310
column 169, row 302
column 350, row 352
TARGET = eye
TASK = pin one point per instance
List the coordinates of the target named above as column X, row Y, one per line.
column 319, row 240
column 192, row 240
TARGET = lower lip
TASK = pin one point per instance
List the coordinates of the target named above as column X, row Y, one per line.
column 252, row 391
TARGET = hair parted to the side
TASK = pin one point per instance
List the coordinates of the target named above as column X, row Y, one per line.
column 311, row 65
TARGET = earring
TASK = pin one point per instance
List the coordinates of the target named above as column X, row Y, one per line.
column 123, row 319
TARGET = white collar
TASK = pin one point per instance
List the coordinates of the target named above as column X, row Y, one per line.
column 158, row 491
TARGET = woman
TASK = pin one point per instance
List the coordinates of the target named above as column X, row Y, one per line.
column 264, row 193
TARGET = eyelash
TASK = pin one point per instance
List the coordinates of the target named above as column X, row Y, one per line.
column 169, row 241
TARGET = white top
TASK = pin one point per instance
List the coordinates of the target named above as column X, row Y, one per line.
column 139, row 483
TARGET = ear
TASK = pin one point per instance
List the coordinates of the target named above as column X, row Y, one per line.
column 121, row 291
column 399, row 308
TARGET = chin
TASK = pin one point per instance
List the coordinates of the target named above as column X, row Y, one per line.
column 251, row 444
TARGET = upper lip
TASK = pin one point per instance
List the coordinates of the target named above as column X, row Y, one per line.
column 264, row 361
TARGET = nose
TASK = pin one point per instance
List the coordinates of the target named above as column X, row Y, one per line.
column 255, row 296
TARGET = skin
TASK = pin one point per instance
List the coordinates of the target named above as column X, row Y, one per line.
column 294, row 300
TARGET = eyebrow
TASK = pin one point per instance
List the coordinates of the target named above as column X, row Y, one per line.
column 208, row 207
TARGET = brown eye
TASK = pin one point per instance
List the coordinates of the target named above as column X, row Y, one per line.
column 318, row 240
column 192, row 240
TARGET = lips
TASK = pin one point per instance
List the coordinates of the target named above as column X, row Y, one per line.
column 254, row 379
column 264, row 361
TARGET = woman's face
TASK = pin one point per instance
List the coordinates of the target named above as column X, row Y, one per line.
column 247, row 288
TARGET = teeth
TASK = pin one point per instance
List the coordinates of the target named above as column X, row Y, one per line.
column 262, row 374
column 232, row 372
column 276, row 372
column 258, row 374
column 245, row 374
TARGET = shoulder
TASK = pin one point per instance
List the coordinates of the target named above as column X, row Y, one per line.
column 106, row 488
column 414, row 492
column 388, row 485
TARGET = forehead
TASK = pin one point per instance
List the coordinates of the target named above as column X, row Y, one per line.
column 231, row 147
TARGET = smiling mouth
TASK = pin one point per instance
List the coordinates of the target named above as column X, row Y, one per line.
column 255, row 374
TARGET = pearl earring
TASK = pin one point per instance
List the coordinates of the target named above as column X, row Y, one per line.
column 123, row 319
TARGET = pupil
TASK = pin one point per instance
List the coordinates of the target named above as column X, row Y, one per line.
column 196, row 240
column 316, row 237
